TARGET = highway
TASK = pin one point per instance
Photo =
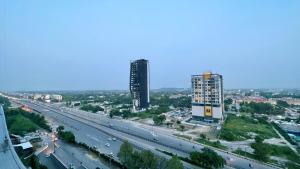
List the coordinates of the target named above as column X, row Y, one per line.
column 95, row 130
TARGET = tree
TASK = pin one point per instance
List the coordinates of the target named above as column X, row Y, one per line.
column 111, row 115
column 174, row 163
column 125, row 154
column 158, row 120
column 68, row 137
column 259, row 139
column 202, row 136
column 207, row 159
column 282, row 103
column 261, row 149
column 182, row 127
column 228, row 101
column 60, row 128
column 5, row 102
column 147, row 160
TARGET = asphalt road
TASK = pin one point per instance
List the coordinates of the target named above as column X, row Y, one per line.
column 95, row 130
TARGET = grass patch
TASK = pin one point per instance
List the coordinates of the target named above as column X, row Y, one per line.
column 292, row 165
column 21, row 125
column 244, row 153
column 20, row 122
column 216, row 144
column 284, row 151
column 183, row 136
column 237, row 128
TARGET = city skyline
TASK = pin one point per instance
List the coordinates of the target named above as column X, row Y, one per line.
column 63, row 46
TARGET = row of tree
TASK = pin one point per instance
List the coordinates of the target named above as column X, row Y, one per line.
column 145, row 159
column 261, row 108
column 5, row 102
column 91, row 108
column 166, row 101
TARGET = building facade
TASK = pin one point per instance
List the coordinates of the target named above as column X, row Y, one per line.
column 207, row 97
column 140, row 84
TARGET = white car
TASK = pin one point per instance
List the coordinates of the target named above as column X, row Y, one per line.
column 114, row 139
column 107, row 145
column 109, row 139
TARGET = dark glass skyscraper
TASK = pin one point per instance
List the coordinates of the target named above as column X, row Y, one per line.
column 140, row 84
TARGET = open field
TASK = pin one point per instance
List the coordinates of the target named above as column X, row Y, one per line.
column 240, row 128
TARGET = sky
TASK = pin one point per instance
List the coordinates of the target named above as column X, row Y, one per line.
column 88, row 45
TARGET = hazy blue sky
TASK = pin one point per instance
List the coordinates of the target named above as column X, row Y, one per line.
column 79, row 44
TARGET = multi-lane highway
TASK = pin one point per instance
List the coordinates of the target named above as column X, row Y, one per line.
column 95, row 130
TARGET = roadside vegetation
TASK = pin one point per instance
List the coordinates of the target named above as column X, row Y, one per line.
column 149, row 113
column 207, row 159
column 240, row 128
column 67, row 136
column 264, row 151
column 134, row 159
column 204, row 140
column 91, row 108
column 21, row 122
column 158, row 120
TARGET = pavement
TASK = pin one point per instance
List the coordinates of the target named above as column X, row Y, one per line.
column 94, row 129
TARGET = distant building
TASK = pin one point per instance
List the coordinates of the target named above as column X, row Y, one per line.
column 207, row 97
column 56, row 97
column 37, row 96
column 140, row 84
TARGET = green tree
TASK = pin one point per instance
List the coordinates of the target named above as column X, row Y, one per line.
column 261, row 150
column 147, row 160
column 174, row 163
column 111, row 115
column 5, row 102
column 228, row 101
column 60, row 128
column 158, row 120
column 126, row 153
column 207, row 159
column 68, row 136
column 259, row 139
column 282, row 103
column 182, row 127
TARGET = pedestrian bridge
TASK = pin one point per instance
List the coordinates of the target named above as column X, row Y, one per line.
column 8, row 157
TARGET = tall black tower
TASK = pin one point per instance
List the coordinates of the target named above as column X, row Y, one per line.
column 140, row 84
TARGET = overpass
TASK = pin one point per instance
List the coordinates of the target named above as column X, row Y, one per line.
column 8, row 157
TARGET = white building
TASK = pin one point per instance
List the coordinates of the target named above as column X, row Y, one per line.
column 57, row 97
column 37, row 96
column 207, row 97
